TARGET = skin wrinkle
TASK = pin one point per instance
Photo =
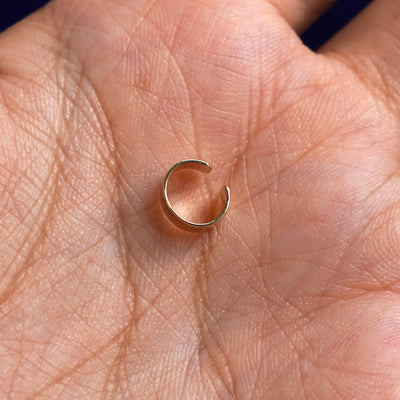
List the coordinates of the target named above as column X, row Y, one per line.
column 350, row 245
column 65, row 374
column 8, row 191
column 23, row 128
column 380, row 89
column 349, row 248
column 288, row 342
column 253, row 210
column 303, row 317
column 43, row 229
column 203, row 328
column 14, row 282
column 159, row 98
column 278, row 112
column 109, row 140
column 186, row 94
column 210, row 30
column 374, row 283
column 123, row 249
column 368, row 374
column 142, row 20
column 204, row 332
column 185, row 381
column 254, row 137
column 153, row 307
column 117, row 365
column 60, row 164
column 167, row 285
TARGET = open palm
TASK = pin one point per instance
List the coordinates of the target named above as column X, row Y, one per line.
column 294, row 295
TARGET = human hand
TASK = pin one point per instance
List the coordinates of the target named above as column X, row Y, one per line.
column 294, row 295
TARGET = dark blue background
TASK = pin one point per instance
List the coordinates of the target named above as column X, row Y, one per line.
column 333, row 20
column 13, row 10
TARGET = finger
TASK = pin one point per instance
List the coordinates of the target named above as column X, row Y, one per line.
column 370, row 46
column 301, row 13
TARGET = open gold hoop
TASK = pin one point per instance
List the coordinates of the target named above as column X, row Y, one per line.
column 174, row 217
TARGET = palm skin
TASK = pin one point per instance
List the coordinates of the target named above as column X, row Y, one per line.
column 294, row 295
